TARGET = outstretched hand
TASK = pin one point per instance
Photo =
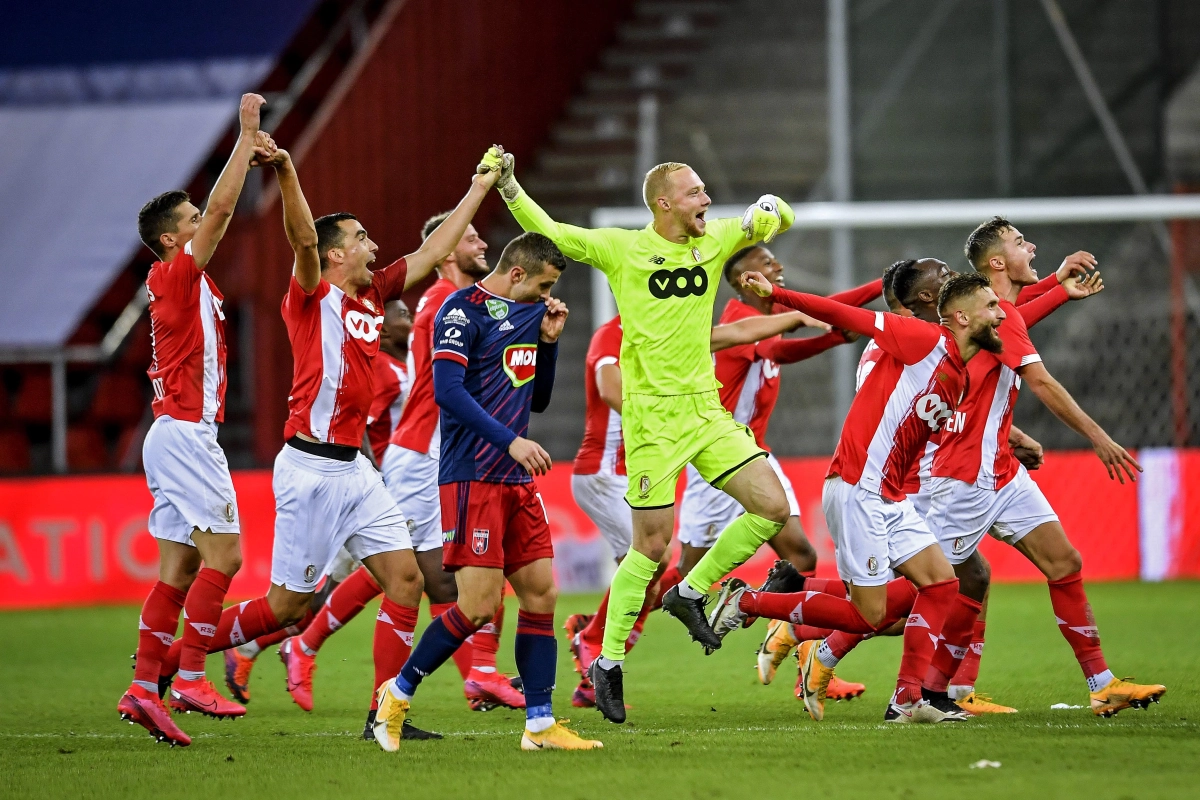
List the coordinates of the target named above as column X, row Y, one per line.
column 553, row 321
column 1079, row 288
column 805, row 321
column 248, row 112
column 755, row 282
column 1077, row 264
column 1116, row 459
column 266, row 152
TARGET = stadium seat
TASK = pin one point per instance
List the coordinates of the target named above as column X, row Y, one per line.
column 86, row 449
column 120, row 399
column 33, row 400
column 14, row 451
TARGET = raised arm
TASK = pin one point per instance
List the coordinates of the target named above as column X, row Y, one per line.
column 445, row 237
column 860, row 295
column 297, row 222
column 790, row 351
column 754, row 329
column 224, row 196
column 1073, row 288
column 1117, row 461
column 1075, row 265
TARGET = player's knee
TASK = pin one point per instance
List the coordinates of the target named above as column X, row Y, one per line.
column 773, row 505
column 974, row 577
column 1067, row 563
column 441, row 588
column 478, row 610
column 228, row 563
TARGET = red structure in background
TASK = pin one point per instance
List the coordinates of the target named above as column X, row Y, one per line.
column 396, row 139
column 83, row 540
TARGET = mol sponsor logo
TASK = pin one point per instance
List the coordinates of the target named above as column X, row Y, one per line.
column 520, row 363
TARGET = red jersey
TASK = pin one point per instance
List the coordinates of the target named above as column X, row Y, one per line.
column 975, row 447
column 334, row 339
column 187, row 337
column 391, row 390
column 419, row 426
column 602, row 449
column 920, row 468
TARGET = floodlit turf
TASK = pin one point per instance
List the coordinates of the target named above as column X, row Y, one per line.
column 699, row 727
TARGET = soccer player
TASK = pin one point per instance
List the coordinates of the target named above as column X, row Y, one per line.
column 327, row 494
column 392, row 379
column 979, row 486
column 598, row 480
column 913, row 390
column 194, row 519
column 494, row 359
column 664, row 278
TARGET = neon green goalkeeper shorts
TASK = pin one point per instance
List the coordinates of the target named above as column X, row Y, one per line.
column 663, row 434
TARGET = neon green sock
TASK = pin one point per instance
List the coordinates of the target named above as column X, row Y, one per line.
column 734, row 547
column 625, row 599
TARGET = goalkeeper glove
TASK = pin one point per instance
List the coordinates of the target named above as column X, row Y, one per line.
column 495, row 159
column 766, row 217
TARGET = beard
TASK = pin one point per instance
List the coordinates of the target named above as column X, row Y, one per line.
column 474, row 269
column 988, row 339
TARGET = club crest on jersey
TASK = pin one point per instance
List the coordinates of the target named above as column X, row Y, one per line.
column 520, row 363
column 497, row 309
column 696, row 253
column 456, row 316
column 479, row 541
column 959, row 544
column 368, row 304
column 229, row 512
column 872, row 566
column 644, row 486
column 310, row 573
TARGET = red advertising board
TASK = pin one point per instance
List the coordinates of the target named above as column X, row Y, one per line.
column 83, row 540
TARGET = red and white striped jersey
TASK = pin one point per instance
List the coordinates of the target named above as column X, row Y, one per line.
column 603, row 448
column 187, row 336
column 420, row 423
column 975, row 446
column 391, row 390
column 915, row 386
column 920, row 469
column 334, row 339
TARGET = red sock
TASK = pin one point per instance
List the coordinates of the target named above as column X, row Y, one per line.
column 395, row 628
column 804, row 633
column 813, row 608
column 343, row 604
column 901, row 594
column 202, row 612
column 953, row 643
column 242, row 623
column 928, row 615
column 671, row 578
column 464, row 655
column 1073, row 613
column 156, row 630
column 263, row 642
column 968, row 668
column 593, row 633
column 486, row 641
column 825, row 586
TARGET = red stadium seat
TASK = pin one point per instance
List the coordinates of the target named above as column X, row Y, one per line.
column 33, row 401
column 120, row 399
column 14, row 451
column 86, row 449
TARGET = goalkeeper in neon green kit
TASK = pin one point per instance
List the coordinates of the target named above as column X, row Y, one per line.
column 665, row 279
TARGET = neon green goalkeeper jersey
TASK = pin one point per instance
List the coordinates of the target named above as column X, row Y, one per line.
column 665, row 294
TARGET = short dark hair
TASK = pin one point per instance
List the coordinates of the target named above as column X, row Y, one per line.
column 329, row 233
column 959, row 286
column 158, row 217
column 732, row 261
column 533, row 251
column 904, row 279
column 432, row 223
column 984, row 239
column 889, row 281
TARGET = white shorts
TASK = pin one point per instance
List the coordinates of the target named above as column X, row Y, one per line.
column 706, row 511
column 871, row 535
column 323, row 505
column 602, row 498
column 189, row 478
column 921, row 500
column 412, row 480
column 342, row 565
column 961, row 513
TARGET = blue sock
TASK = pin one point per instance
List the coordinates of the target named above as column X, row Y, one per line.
column 438, row 643
column 537, row 661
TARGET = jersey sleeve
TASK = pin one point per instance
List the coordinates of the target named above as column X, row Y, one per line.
column 1041, row 307
column 1018, row 349
column 860, row 295
column 907, row 338
column 296, row 298
column 1031, row 293
column 602, row 248
column 789, row 351
column 179, row 275
column 389, row 281
column 453, row 336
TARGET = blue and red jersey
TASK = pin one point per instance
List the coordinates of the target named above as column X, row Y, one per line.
column 487, row 378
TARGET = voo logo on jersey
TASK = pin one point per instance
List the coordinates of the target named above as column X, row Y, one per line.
column 682, row 282
column 363, row 326
column 520, row 363
column 933, row 410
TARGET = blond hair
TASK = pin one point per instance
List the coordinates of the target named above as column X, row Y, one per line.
column 656, row 181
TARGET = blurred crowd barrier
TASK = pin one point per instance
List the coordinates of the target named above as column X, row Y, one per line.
column 83, row 540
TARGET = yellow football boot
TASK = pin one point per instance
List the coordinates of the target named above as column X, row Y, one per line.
column 814, row 680
column 389, row 719
column 557, row 737
column 775, row 648
column 1121, row 693
column 976, row 703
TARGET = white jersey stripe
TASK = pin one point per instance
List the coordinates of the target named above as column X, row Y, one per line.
column 333, row 365
column 208, row 310
column 997, row 409
column 912, row 383
column 743, row 412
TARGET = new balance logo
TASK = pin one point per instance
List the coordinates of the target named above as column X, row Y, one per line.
column 506, row 326
column 456, row 315
column 659, row 260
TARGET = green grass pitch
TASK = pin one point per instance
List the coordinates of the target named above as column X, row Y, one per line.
column 699, row 727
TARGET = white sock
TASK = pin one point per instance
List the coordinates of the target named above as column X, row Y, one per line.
column 396, row 693
column 190, row 675
column 539, row 724
column 607, row 663
column 147, row 685
column 1095, row 682
column 686, row 590
column 485, row 670
column 826, row 656
column 249, row 649
column 959, row 692
column 307, row 650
